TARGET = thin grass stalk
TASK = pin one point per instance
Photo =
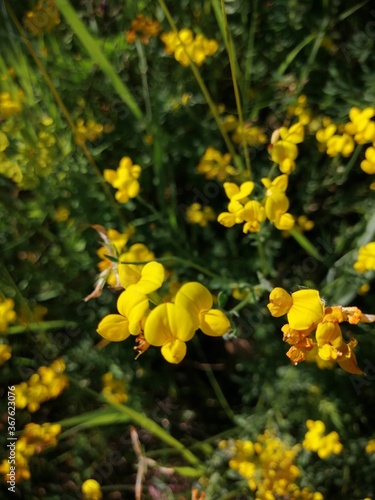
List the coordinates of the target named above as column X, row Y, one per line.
column 232, row 58
column 146, row 423
column 201, row 84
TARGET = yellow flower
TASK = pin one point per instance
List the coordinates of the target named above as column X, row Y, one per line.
column 198, row 302
column 234, row 216
column 253, row 136
column 370, row 446
column 7, row 314
column 284, row 151
column 366, row 258
column 197, row 215
column 368, row 164
column 324, row 134
column 186, row 48
column 145, row 280
column 295, row 134
column 144, row 27
column 114, row 389
column 253, row 214
column 214, row 165
column 91, row 490
column 277, row 203
column 124, row 179
column 304, row 308
column 329, row 338
column 5, row 353
column 47, row 383
column 10, row 106
column 132, row 307
column 360, row 125
column 238, row 193
column 340, row 144
column 169, row 326
column 89, row 132
column 323, row 445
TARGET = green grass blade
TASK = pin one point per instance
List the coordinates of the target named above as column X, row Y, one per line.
column 96, row 54
column 293, row 54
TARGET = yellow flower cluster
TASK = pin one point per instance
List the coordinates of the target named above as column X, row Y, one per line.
column 9, row 106
column 91, row 490
column 323, row 445
column 283, row 148
column 35, row 156
column 307, row 314
column 366, row 258
column 42, row 18
column 302, row 224
column 187, row 48
column 5, row 353
column 214, row 165
column 301, row 110
column 252, row 213
column 91, row 131
column 124, row 179
column 47, row 383
column 268, row 467
column 33, row 440
column 142, row 27
column 252, row 135
column 335, row 139
column 7, row 314
column 169, row 325
column 113, row 389
column 196, row 214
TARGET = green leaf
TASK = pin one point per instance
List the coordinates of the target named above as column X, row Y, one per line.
column 96, row 54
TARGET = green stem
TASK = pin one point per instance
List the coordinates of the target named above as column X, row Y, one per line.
column 147, row 424
column 40, row 326
column 143, row 68
column 232, row 58
column 262, row 256
column 202, row 85
column 305, row 244
column 214, row 383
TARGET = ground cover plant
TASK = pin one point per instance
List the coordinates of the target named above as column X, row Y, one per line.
column 188, row 249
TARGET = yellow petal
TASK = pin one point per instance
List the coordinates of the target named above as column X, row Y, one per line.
column 110, row 175
column 284, row 222
column 174, row 351
column 349, row 362
column 168, row 322
column 307, row 309
column 280, row 302
column 114, row 328
column 134, row 306
column 152, row 277
column 194, row 298
column 129, row 274
column 276, row 205
column 214, row 323
column 227, row 219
